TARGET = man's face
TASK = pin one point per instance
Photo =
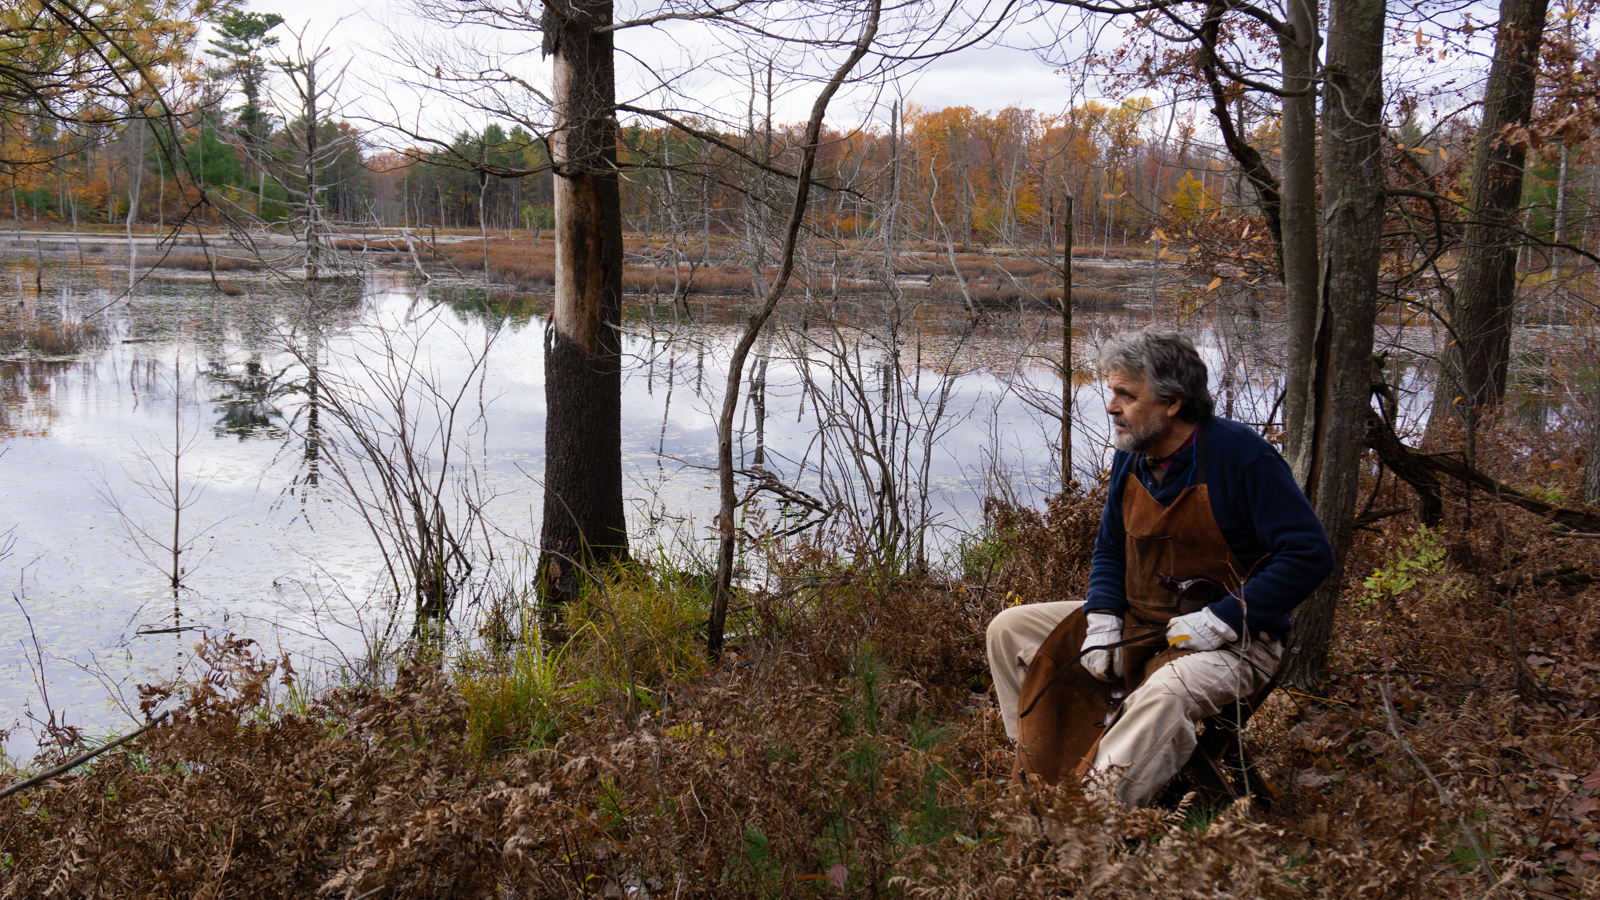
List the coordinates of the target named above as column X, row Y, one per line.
column 1141, row 421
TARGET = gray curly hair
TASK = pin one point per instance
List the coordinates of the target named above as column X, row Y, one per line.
column 1167, row 361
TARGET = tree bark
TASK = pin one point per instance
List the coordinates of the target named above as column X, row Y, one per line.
column 1472, row 375
column 584, row 525
column 1299, row 222
column 313, row 208
column 1352, row 185
column 1591, row 468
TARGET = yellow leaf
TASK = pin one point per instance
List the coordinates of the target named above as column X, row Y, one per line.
column 1422, row 150
column 1215, row 282
column 1443, row 156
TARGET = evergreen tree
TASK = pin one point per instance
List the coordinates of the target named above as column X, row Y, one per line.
column 242, row 38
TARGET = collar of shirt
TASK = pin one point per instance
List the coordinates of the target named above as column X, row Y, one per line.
column 1157, row 468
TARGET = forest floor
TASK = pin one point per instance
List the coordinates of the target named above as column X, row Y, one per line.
column 849, row 745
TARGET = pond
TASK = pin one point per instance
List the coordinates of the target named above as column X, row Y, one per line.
column 250, row 432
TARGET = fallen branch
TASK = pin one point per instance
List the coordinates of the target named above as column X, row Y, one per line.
column 1564, row 579
column 1409, row 466
column 1419, row 469
column 1379, row 515
column 80, row 759
column 763, row 480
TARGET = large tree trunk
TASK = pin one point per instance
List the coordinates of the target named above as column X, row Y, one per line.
column 584, row 523
column 1472, row 374
column 1352, row 191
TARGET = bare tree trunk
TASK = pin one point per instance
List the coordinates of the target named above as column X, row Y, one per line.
column 1561, row 206
column 135, row 180
column 1591, row 469
column 313, row 207
column 1352, row 189
column 1287, row 200
column 1299, row 222
column 705, row 209
column 775, row 290
column 1066, row 350
column 1472, row 376
column 584, row 522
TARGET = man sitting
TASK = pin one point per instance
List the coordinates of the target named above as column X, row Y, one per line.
column 1190, row 495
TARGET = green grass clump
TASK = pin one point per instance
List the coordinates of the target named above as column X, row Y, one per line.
column 514, row 697
column 641, row 629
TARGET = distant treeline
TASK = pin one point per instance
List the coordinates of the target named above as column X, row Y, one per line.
column 952, row 175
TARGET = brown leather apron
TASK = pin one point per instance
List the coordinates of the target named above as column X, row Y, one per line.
column 1067, row 709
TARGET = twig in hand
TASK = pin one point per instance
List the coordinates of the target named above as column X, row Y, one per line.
column 80, row 759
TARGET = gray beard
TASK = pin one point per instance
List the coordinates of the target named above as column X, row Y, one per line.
column 1139, row 440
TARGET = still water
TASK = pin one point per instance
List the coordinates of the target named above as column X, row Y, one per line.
column 257, row 418
column 273, row 540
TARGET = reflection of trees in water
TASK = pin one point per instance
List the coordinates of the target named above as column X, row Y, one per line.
column 27, row 395
column 397, row 439
column 322, row 310
column 246, row 397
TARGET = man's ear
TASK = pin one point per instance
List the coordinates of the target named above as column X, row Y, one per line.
column 1174, row 407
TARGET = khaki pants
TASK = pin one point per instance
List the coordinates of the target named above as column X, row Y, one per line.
column 1156, row 734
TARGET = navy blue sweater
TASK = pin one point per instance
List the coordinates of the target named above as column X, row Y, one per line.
column 1266, row 520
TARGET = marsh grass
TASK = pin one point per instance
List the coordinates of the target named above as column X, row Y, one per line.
column 516, row 699
column 636, row 632
column 22, row 330
column 200, row 262
column 528, row 265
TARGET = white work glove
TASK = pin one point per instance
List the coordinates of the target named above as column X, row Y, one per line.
column 1203, row 630
column 1104, row 628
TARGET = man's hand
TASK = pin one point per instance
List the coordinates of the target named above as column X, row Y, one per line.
column 1203, row 630
column 1104, row 629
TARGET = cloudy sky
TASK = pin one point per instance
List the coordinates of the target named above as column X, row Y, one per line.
column 995, row 73
column 392, row 54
